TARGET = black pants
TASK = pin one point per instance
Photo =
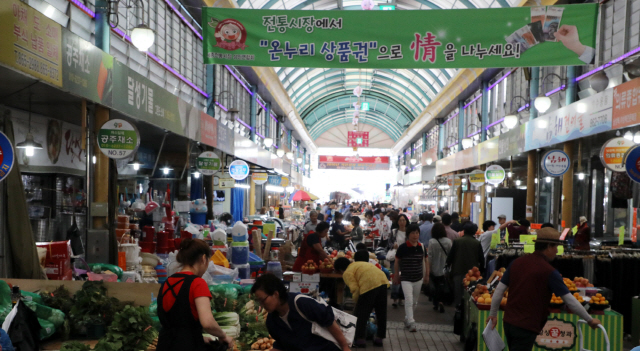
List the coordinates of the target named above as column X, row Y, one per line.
column 439, row 286
column 373, row 299
column 519, row 339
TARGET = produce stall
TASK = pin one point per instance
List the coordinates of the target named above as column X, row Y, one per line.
column 560, row 332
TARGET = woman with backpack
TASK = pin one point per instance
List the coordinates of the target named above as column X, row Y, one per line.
column 439, row 248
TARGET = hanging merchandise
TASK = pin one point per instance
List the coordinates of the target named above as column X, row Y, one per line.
column 238, row 170
column 613, row 151
column 494, row 174
column 118, row 139
column 556, row 163
column 208, row 163
column 7, row 156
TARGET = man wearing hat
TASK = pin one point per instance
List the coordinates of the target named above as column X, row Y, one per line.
column 502, row 219
column 531, row 280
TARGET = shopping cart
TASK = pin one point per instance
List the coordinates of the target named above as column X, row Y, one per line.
column 604, row 331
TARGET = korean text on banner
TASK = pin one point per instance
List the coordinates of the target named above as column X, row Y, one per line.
column 354, row 162
column 505, row 37
column 31, row 41
column 208, row 130
column 625, row 104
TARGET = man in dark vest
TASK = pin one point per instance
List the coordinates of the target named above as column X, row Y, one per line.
column 531, row 280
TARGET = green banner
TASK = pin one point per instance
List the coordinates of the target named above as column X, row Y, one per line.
column 504, row 37
column 86, row 70
column 144, row 100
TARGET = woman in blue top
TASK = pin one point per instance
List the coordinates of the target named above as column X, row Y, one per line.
column 290, row 329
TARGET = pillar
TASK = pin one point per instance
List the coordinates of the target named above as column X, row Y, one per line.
column 532, row 166
column 485, row 111
column 459, row 195
column 100, row 169
column 440, row 140
column 102, row 28
column 289, row 140
column 461, row 131
column 567, row 188
column 267, row 121
column 483, row 201
column 570, row 94
column 534, row 87
column 253, row 110
column 252, row 198
column 424, row 142
column 304, row 161
column 277, row 142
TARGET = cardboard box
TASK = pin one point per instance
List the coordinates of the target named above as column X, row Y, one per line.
column 311, row 278
column 58, row 261
column 292, row 276
column 303, row 288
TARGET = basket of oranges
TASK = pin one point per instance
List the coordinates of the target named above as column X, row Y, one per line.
column 598, row 302
column 580, row 298
column 556, row 302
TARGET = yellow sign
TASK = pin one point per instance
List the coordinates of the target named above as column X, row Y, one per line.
column 457, row 182
column 259, row 178
column 31, row 41
column 284, row 182
column 477, row 178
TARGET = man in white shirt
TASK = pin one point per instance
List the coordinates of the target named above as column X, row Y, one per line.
column 489, row 228
column 312, row 223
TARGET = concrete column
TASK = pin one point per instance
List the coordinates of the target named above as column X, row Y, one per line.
column 102, row 28
column 534, row 87
column 461, row 118
column 253, row 110
column 485, row 110
column 100, row 169
column 440, row 140
column 459, row 195
column 532, row 166
column 567, row 187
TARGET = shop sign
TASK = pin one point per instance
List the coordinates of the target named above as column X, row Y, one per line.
column 86, row 70
column 632, row 163
column 457, row 182
column 238, row 170
column 118, row 139
column 226, row 140
column 556, row 163
column 476, row 178
column 626, row 104
column 275, row 180
column 488, row 150
column 363, row 39
column 7, row 156
column 208, row 130
column 612, row 153
column 494, row 174
column 358, row 139
column 588, row 116
column 450, row 181
column 30, row 42
column 259, row 178
column 208, row 163
column 357, row 163
column 226, row 183
column 557, row 334
column 512, row 142
column 284, row 182
column 144, row 100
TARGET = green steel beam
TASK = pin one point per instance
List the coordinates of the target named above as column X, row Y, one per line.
column 381, row 122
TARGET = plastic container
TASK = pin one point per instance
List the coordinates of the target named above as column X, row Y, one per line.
column 149, row 247
column 244, row 271
column 239, row 232
column 149, row 233
column 240, row 253
column 275, row 268
column 198, row 217
column 220, row 235
column 273, row 255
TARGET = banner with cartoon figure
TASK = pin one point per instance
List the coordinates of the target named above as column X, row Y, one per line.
column 462, row 38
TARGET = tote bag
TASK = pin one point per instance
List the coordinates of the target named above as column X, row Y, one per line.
column 345, row 321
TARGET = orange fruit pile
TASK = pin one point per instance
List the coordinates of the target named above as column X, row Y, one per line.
column 578, row 297
column 598, row 300
column 570, row 285
column 555, row 299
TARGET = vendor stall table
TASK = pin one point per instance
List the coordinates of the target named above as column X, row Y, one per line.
column 563, row 333
column 339, row 285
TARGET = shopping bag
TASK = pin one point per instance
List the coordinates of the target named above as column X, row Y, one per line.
column 391, row 255
column 345, row 321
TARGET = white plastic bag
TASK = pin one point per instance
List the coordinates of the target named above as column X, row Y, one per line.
column 214, row 269
column 391, row 255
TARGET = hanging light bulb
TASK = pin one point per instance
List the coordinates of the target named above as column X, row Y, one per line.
column 542, row 103
column 268, row 142
column 548, row 179
column 29, row 145
column 510, row 121
column 166, row 170
column 628, row 135
column 142, row 37
column 136, row 166
column 441, row 203
column 196, row 174
column 467, row 143
column 299, row 160
column 290, row 155
column 542, row 123
column 28, row 151
column 464, row 180
column 478, row 198
column 518, row 182
column 280, row 152
column 413, row 161
column 429, row 161
column 509, row 174
column 581, row 176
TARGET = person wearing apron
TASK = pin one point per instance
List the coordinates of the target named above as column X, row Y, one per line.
column 184, row 303
column 311, row 247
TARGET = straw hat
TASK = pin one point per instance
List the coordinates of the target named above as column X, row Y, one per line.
column 549, row 236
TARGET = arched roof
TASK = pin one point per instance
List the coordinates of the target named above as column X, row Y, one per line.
column 322, row 96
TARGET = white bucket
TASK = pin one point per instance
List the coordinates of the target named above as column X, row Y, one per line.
column 132, row 252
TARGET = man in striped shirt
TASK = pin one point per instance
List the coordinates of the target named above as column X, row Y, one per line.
column 411, row 269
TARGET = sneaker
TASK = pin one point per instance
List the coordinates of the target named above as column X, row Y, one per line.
column 412, row 328
column 377, row 342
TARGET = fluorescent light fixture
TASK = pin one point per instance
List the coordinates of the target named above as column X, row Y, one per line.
column 518, row 182
column 49, row 11
column 628, row 135
column 478, row 198
column 242, row 186
column 275, row 188
column 142, row 37
column 510, row 121
column 93, row 160
column 542, row 103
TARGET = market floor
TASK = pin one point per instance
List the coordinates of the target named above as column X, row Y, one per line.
column 435, row 330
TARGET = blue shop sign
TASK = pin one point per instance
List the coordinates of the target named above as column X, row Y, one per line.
column 7, row 156
column 274, row 180
column 632, row 163
column 239, row 170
